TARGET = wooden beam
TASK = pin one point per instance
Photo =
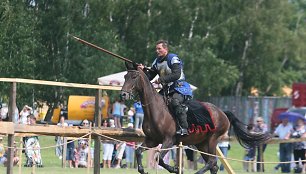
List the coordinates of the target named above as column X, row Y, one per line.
column 124, row 134
column 64, row 151
column 6, row 128
column 63, row 84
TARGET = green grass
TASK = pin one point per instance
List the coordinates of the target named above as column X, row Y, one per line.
column 53, row 165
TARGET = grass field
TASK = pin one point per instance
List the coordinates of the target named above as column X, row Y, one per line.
column 52, row 165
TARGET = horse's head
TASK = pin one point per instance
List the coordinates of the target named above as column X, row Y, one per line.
column 130, row 85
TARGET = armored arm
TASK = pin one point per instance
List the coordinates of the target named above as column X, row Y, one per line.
column 175, row 75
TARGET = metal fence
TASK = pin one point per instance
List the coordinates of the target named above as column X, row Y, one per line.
column 248, row 108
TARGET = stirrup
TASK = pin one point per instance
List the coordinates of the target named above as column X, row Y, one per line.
column 182, row 132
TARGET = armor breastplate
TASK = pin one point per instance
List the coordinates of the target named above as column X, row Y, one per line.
column 164, row 69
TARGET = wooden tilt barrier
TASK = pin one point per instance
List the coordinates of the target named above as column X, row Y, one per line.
column 124, row 134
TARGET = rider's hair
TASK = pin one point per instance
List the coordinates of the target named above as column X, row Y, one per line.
column 163, row 42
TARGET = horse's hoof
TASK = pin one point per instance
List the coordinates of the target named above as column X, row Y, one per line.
column 214, row 170
column 176, row 170
column 142, row 171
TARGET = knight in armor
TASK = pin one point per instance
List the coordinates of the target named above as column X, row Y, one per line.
column 170, row 70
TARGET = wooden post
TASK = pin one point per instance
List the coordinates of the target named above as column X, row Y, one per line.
column 89, row 152
column 97, row 138
column 180, row 161
column 261, row 165
column 195, row 161
column 11, row 137
column 64, row 152
column 20, row 155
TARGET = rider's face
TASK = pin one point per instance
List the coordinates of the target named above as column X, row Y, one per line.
column 161, row 51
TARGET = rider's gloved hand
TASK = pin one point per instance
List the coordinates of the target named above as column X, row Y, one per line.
column 157, row 81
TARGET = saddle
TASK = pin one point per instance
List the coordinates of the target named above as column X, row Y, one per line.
column 199, row 117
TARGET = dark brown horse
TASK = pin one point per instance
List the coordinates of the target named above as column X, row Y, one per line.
column 160, row 127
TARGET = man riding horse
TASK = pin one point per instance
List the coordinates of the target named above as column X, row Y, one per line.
column 170, row 70
column 159, row 125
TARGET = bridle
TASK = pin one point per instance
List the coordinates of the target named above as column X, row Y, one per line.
column 131, row 91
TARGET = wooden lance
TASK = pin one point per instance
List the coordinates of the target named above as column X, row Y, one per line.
column 104, row 50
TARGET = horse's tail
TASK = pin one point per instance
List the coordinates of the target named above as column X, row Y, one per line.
column 244, row 136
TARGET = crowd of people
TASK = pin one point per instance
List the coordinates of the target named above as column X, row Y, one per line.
column 30, row 144
column 287, row 151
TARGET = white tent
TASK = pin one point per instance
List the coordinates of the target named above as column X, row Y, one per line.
column 117, row 79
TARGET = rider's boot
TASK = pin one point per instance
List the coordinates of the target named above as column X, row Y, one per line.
column 182, row 120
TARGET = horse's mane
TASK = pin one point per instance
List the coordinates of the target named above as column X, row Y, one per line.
column 147, row 81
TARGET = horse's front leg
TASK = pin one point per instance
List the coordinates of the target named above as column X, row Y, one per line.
column 139, row 151
column 165, row 145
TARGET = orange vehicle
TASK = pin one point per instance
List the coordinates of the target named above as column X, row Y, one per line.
column 81, row 108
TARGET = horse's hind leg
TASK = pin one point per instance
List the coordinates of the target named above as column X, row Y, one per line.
column 211, row 161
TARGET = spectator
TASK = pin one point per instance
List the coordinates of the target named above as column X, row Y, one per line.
column 4, row 113
column 83, row 153
column 117, row 113
column 59, row 140
column 85, row 123
column 130, row 151
column 249, row 153
column 76, row 157
column 299, row 147
column 260, row 127
column 32, row 150
column 173, row 155
column 3, row 155
column 283, row 131
column 2, row 150
column 108, row 147
column 92, row 153
column 120, row 147
column 112, row 123
column 122, row 111
column 138, row 115
column 70, row 151
column 24, row 113
column 224, row 146
column 131, row 115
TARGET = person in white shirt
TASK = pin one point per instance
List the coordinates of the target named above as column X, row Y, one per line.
column 24, row 113
column 59, row 140
column 283, row 131
column 83, row 152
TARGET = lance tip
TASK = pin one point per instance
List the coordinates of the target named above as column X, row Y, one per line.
column 74, row 37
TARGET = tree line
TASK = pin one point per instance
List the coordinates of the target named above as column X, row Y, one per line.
column 228, row 46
